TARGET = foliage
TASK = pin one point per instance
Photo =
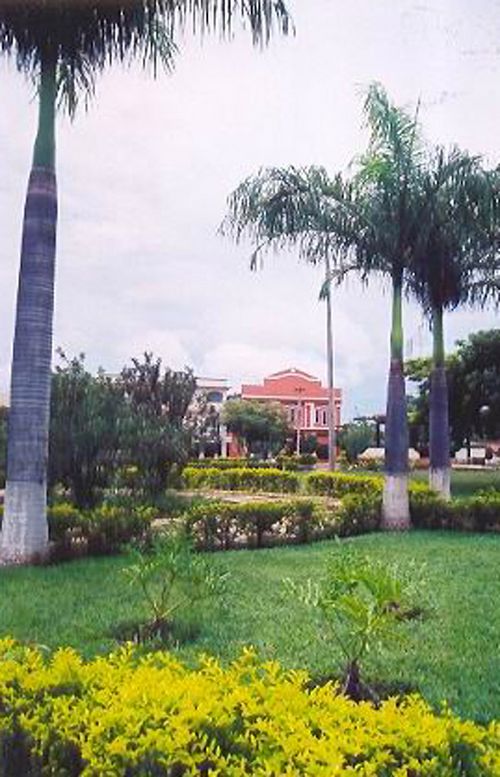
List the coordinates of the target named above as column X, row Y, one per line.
column 86, row 430
column 355, row 437
column 172, row 578
column 158, row 402
column 82, row 41
column 101, row 531
column 242, row 479
column 361, row 601
column 117, row 715
column 473, row 383
column 480, row 512
column 231, row 463
column 338, row 484
column 262, row 426
column 358, row 514
column 225, row 525
column 296, row 461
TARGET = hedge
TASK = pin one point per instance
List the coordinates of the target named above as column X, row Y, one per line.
column 151, row 715
column 101, row 531
column 225, row 525
column 336, row 484
column 233, row 463
column 480, row 512
column 241, row 479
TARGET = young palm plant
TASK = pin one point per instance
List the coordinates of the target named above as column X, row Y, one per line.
column 453, row 264
column 61, row 46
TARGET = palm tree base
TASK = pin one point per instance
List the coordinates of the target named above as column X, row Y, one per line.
column 440, row 481
column 24, row 537
column 396, row 504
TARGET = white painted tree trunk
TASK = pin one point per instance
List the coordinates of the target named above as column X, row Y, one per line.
column 396, row 503
column 440, row 481
column 24, row 535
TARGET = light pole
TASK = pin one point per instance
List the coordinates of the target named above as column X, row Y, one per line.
column 299, row 391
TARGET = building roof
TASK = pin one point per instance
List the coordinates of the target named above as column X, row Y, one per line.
column 291, row 384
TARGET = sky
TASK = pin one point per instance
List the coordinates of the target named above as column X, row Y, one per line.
column 144, row 175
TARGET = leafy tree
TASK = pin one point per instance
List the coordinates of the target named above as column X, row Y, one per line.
column 158, row 401
column 473, row 389
column 263, row 426
column 355, row 437
column 86, row 430
column 61, row 46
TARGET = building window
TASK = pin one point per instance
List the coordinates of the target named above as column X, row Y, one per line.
column 321, row 417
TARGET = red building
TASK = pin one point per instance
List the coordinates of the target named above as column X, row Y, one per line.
column 304, row 398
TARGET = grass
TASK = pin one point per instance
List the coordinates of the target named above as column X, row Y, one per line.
column 453, row 655
column 463, row 482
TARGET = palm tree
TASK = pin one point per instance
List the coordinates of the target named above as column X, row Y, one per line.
column 61, row 46
column 453, row 263
column 366, row 225
column 297, row 208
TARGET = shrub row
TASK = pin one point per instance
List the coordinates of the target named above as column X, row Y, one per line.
column 480, row 512
column 233, row 463
column 225, row 525
column 242, row 479
column 101, row 531
column 338, row 484
column 122, row 715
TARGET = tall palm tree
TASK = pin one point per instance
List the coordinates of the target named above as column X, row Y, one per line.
column 297, row 208
column 62, row 45
column 367, row 224
column 454, row 261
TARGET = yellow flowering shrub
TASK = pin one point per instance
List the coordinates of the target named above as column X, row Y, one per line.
column 127, row 714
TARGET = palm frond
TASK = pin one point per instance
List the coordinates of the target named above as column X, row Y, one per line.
column 84, row 36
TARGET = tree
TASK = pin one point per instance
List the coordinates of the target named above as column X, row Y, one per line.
column 158, row 402
column 262, row 426
column 365, row 225
column 355, row 437
column 453, row 257
column 86, row 430
column 473, row 385
column 287, row 208
column 61, row 46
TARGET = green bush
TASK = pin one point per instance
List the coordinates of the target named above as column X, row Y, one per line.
column 480, row 512
column 337, row 484
column 225, row 525
column 358, row 514
column 232, row 463
column 152, row 715
column 244, row 479
column 101, row 531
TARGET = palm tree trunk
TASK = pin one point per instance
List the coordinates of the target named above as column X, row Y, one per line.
column 396, row 511
column 439, row 425
column 24, row 535
column 332, row 441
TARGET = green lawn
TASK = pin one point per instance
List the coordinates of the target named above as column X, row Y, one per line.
column 453, row 655
column 467, row 482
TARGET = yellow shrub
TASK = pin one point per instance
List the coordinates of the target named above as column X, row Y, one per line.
column 133, row 715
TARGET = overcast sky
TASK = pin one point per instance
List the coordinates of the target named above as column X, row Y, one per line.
column 145, row 173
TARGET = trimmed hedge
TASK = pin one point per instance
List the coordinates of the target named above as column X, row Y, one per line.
column 233, row 463
column 225, row 525
column 151, row 715
column 242, row 479
column 102, row 531
column 480, row 512
column 337, row 484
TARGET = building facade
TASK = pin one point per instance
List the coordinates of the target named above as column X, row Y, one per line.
column 303, row 398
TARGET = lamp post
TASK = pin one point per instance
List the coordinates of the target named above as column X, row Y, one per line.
column 299, row 390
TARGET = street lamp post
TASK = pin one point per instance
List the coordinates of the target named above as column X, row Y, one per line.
column 299, row 390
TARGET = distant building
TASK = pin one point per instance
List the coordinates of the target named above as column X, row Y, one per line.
column 304, row 399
